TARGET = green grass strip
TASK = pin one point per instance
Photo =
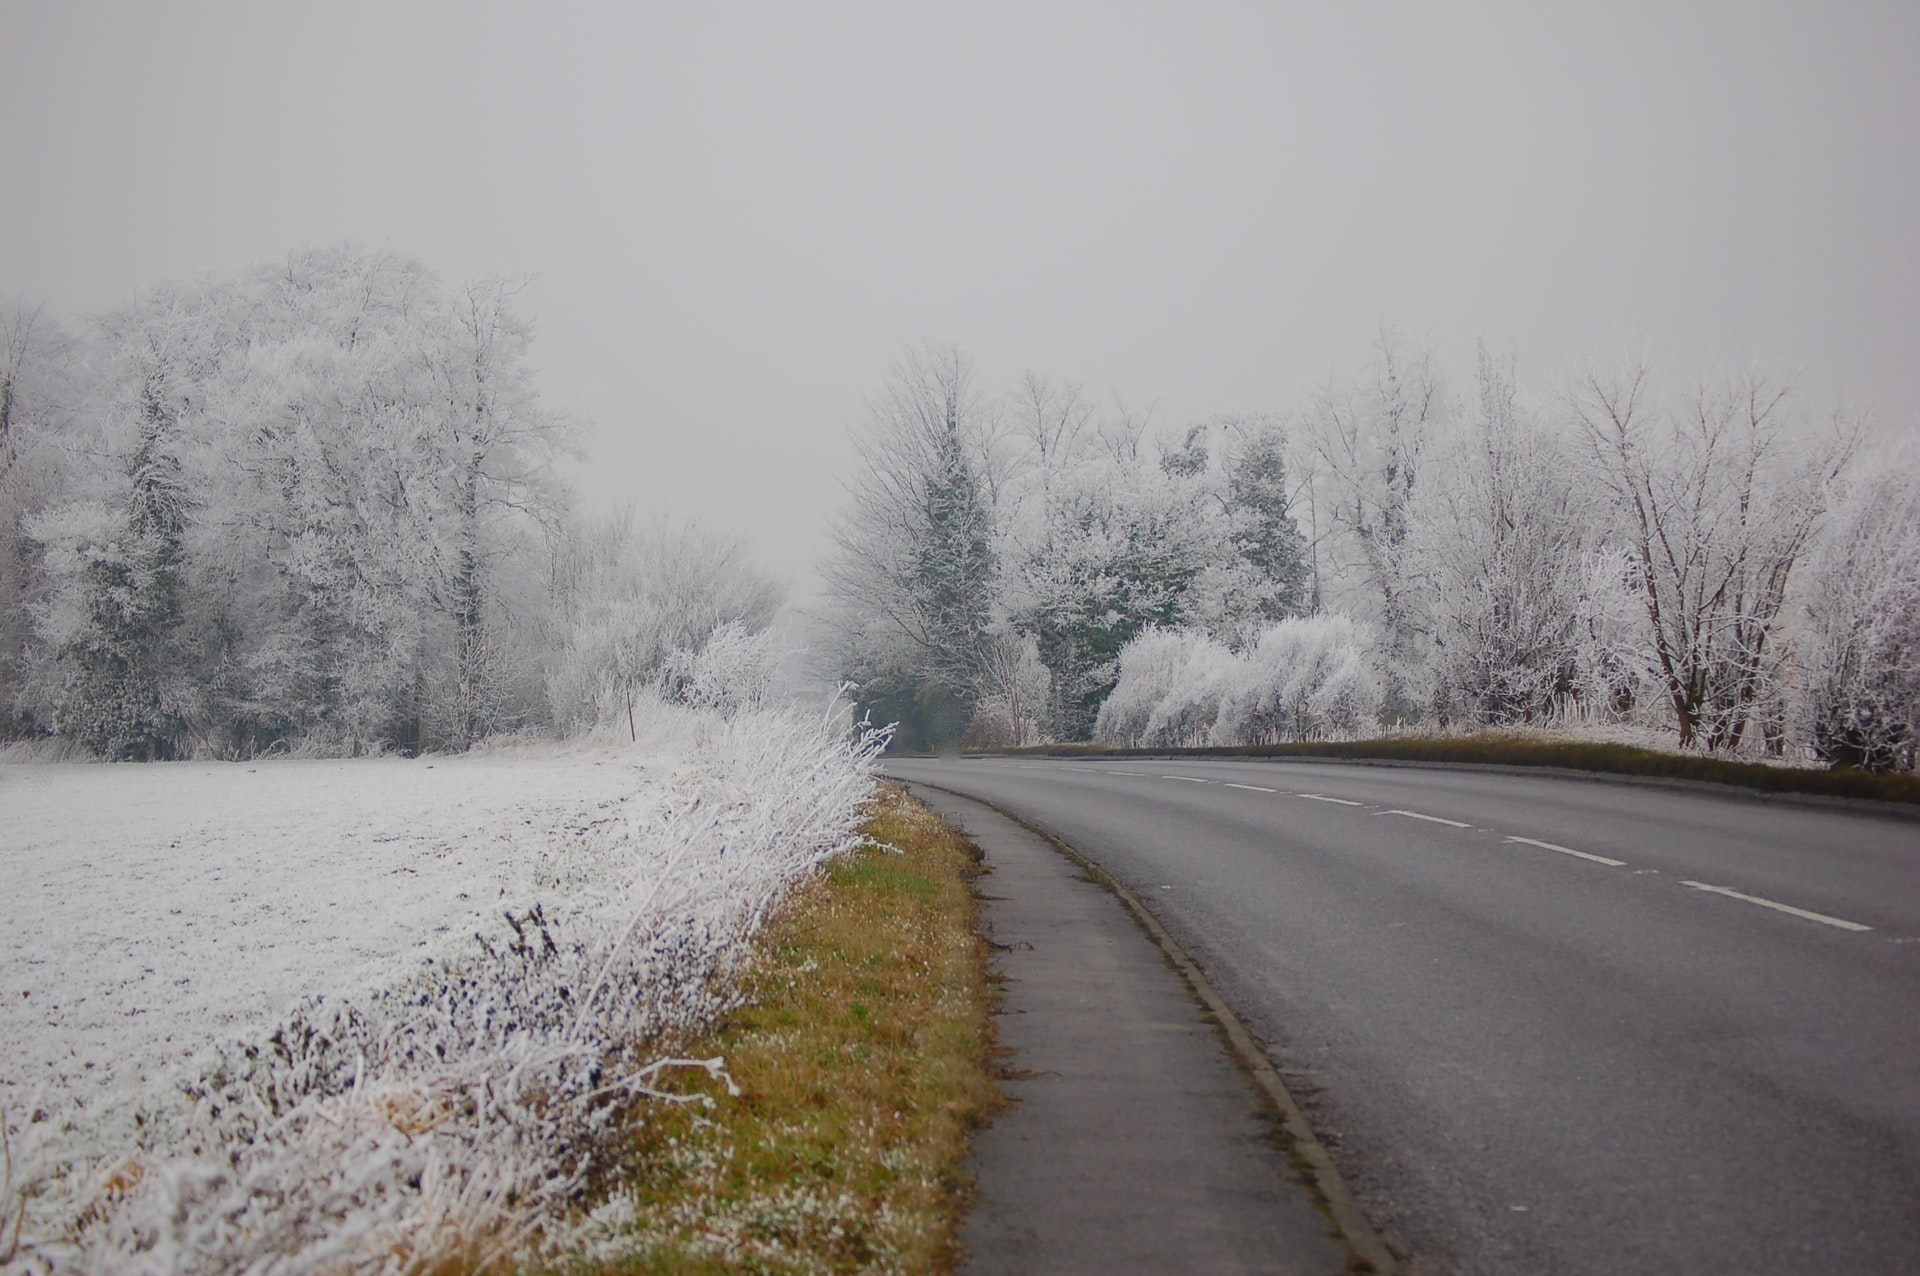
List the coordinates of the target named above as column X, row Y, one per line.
column 863, row 1057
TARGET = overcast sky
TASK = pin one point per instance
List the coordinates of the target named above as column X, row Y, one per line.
column 737, row 215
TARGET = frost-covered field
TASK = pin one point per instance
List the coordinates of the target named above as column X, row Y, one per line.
column 365, row 1015
column 149, row 908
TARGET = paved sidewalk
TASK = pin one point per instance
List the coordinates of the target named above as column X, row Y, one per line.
column 1133, row 1144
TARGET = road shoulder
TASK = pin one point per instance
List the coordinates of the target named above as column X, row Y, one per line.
column 1133, row 1143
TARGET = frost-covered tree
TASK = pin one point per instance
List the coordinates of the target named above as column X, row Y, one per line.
column 733, row 670
column 39, row 378
column 1369, row 437
column 360, row 517
column 1504, row 537
column 1861, row 660
column 1717, row 501
column 1018, row 683
column 913, row 582
column 327, row 518
column 1121, row 549
column 493, row 448
column 633, row 597
column 1266, row 537
column 129, row 692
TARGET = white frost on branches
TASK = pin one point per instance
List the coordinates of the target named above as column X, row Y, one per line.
column 1604, row 556
column 455, row 1117
column 1862, row 660
column 1306, row 679
column 635, row 597
column 1309, row 678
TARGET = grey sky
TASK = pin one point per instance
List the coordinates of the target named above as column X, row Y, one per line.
column 737, row 215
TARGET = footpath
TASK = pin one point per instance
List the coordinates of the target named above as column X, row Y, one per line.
column 1133, row 1143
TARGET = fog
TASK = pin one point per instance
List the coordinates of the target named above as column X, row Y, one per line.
column 732, row 220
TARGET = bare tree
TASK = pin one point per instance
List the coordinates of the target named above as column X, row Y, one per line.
column 36, row 354
column 1717, row 502
column 1503, row 542
column 1051, row 422
column 1369, row 438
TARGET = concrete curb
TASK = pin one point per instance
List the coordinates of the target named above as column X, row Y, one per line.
column 1368, row 1249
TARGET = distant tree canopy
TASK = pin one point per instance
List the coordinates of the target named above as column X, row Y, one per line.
column 311, row 504
column 1712, row 564
column 988, row 574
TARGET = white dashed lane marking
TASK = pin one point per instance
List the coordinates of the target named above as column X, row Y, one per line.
column 1777, row 906
column 1431, row 819
column 1568, row 850
column 1807, row 914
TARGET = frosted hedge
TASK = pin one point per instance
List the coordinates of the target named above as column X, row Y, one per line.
column 457, row 1117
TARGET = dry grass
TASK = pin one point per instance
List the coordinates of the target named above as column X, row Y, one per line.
column 862, row 1058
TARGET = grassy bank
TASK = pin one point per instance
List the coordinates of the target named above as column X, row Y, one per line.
column 1498, row 749
column 862, row 1061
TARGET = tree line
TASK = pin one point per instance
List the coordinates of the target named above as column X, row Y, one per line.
column 1401, row 548
column 314, row 505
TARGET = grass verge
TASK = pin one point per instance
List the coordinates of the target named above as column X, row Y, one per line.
column 863, row 1059
column 1495, row 749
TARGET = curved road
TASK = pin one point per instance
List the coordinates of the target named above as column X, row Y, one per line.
column 1545, row 1024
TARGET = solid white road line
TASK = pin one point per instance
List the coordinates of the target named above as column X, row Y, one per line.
column 1822, row 918
column 1251, row 788
column 1431, row 819
column 1315, row 797
column 1568, row 850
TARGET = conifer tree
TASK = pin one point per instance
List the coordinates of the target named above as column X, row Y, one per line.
column 124, row 699
column 1260, row 510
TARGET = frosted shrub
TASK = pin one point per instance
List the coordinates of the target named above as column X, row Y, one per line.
column 1148, row 666
column 1347, row 701
column 455, row 1119
column 1305, row 679
column 736, row 669
column 1185, row 715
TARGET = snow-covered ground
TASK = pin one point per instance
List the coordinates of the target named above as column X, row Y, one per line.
column 374, row 1015
column 153, row 909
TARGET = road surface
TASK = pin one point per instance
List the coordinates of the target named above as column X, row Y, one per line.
column 1546, row 1024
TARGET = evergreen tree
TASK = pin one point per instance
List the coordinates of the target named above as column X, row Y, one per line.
column 954, row 570
column 1260, row 510
column 124, row 698
column 915, row 579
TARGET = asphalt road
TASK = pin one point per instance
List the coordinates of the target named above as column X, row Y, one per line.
column 1546, row 1024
